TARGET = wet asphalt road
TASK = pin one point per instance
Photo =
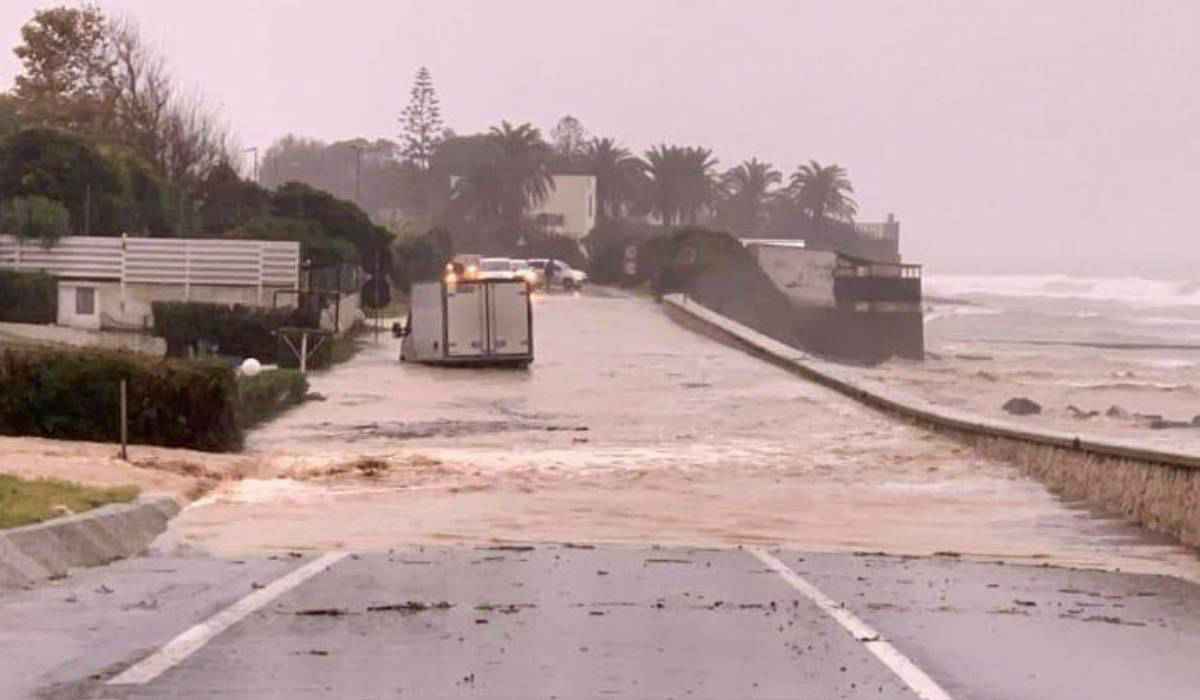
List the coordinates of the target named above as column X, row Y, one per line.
column 557, row 621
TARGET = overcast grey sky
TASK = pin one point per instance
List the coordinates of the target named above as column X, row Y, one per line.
column 1020, row 135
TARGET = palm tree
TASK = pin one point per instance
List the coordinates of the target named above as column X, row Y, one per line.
column 618, row 175
column 681, row 182
column 748, row 187
column 823, row 192
column 522, row 168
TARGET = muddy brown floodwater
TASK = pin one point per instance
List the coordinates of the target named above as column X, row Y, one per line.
column 631, row 429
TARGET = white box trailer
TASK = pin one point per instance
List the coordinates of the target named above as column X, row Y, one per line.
column 469, row 322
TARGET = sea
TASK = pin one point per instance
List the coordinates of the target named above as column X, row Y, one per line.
column 1106, row 312
column 1110, row 357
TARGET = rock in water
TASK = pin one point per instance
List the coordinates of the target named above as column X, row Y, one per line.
column 1022, row 406
column 1117, row 412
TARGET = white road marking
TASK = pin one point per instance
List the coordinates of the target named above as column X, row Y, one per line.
column 195, row 638
column 916, row 679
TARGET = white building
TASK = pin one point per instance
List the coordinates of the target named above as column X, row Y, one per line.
column 110, row 283
column 570, row 206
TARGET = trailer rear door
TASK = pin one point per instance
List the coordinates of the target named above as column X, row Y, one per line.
column 465, row 320
column 509, row 319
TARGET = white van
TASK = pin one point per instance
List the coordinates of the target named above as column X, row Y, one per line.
column 469, row 322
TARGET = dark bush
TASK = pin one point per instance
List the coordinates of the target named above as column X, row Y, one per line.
column 422, row 258
column 74, row 395
column 268, row 393
column 28, row 297
column 238, row 331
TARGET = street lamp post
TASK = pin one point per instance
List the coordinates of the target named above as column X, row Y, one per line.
column 254, row 173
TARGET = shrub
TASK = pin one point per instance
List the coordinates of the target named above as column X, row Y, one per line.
column 268, row 393
column 421, row 258
column 239, row 331
column 35, row 217
column 28, row 297
column 74, row 395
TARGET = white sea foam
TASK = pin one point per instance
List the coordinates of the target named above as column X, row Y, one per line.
column 937, row 311
column 1131, row 290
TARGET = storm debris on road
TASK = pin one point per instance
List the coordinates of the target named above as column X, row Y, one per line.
column 412, row 606
column 322, row 612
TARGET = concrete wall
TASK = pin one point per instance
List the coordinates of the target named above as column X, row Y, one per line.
column 864, row 319
column 574, row 199
column 805, row 276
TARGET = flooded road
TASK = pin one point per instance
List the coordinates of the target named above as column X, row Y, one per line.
column 630, row 429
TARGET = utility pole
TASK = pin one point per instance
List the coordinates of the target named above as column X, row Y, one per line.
column 254, row 173
column 358, row 149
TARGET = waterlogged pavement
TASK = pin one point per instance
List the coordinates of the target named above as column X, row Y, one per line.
column 628, row 429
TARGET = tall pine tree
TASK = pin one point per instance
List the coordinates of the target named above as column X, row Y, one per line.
column 422, row 120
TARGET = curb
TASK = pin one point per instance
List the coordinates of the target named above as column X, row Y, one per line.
column 51, row 549
column 830, row 375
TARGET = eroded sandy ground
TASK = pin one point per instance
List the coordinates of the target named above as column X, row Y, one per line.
column 630, row 429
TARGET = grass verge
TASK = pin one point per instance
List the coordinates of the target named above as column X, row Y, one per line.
column 24, row 502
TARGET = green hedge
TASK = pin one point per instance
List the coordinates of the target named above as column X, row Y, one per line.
column 74, row 395
column 28, row 297
column 268, row 393
column 240, row 331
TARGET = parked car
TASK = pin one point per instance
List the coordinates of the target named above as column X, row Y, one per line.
column 523, row 271
column 556, row 273
column 495, row 269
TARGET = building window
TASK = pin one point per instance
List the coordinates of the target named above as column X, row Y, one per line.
column 85, row 301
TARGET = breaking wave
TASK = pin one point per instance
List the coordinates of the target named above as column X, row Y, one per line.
column 1131, row 290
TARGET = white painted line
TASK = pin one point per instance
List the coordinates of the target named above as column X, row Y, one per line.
column 916, row 679
column 195, row 638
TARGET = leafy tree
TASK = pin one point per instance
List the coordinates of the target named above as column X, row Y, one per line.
column 422, row 258
column 570, row 138
column 35, row 217
column 227, row 201
column 10, row 120
column 385, row 182
column 66, row 61
column 619, row 176
column 95, row 77
column 142, row 206
column 422, row 120
column 681, row 182
column 523, row 169
column 505, row 173
column 337, row 218
column 823, row 192
column 64, row 168
column 316, row 246
column 748, row 188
